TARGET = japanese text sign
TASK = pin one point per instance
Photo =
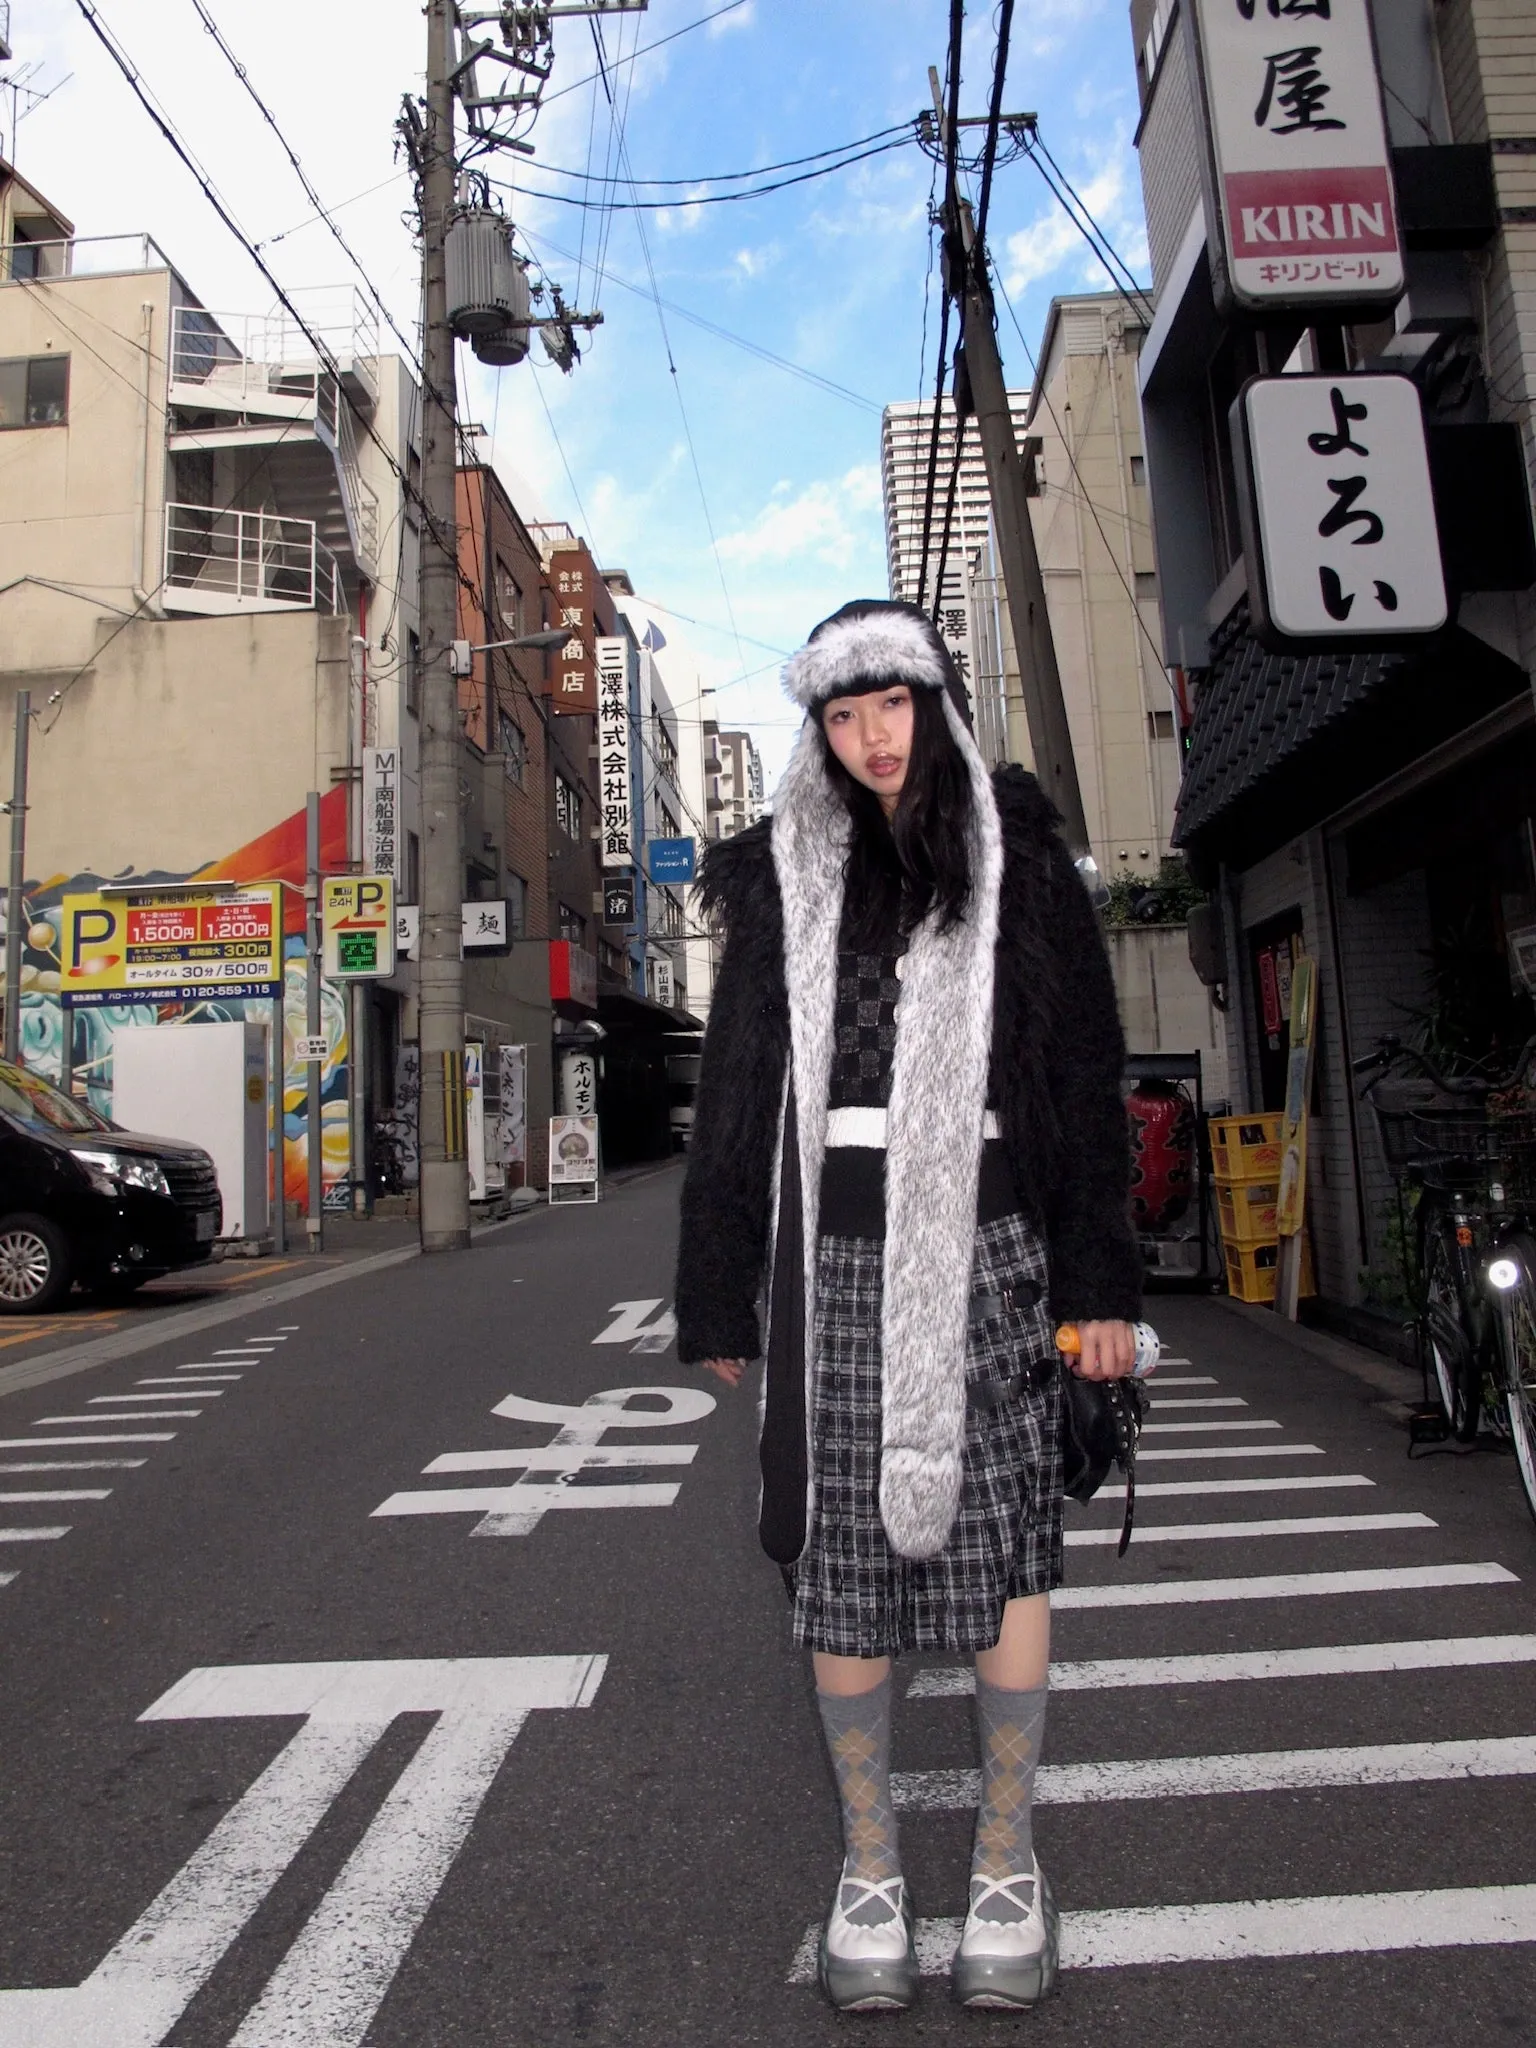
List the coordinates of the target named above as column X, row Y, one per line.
column 572, row 682
column 1340, row 514
column 1303, row 178
column 381, row 811
column 613, row 752
column 357, row 927
column 671, row 860
column 164, row 946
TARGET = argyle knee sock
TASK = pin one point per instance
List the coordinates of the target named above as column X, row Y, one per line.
column 1010, row 1725
column 858, row 1732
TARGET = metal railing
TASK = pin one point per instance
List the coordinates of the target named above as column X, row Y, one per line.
column 239, row 357
column 220, row 562
column 25, row 262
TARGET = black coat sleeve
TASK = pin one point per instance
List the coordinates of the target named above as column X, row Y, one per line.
column 1095, row 1262
column 723, row 1232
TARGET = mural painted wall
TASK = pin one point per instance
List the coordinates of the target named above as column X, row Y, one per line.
column 274, row 856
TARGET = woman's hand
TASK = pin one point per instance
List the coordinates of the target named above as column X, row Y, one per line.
column 728, row 1369
column 1108, row 1351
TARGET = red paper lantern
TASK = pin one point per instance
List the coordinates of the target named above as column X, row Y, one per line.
column 1162, row 1153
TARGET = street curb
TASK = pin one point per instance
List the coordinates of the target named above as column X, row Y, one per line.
column 76, row 1358
column 1398, row 1382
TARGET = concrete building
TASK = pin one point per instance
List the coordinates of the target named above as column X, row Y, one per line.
column 733, row 780
column 1371, row 807
column 208, row 558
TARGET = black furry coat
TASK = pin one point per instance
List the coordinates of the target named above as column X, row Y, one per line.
column 1056, row 1064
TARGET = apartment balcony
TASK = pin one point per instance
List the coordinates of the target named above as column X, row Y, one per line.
column 218, row 564
column 27, row 260
column 294, row 393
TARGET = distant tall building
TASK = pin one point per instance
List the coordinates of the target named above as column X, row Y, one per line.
column 968, row 614
column 734, row 779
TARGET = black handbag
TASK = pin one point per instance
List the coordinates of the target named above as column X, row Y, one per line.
column 1100, row 1422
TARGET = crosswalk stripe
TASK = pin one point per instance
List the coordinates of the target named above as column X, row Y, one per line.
column 6, row 1577
column 1290, row 1482
column 1200, row 1401
column 1153, row 1428
column 38, row 1443
column 1196, row 1777
column 565, row 1458
column 38, row 1535
column 1222, row 1532
column 495, row 1500
column 1186, row 1451
column 1285, row 1586
column 137, row 1415
column 73, row 1464
column 1198, row 1380
column 123, row 1400
column 1220, row 1667
column 1245, row 1930
column 58, row 1494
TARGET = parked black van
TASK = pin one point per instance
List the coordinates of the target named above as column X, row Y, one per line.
column 81, row 1200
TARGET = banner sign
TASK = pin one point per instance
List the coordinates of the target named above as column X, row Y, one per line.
column 381, row 811
column 666, row 992
column 672, row 860
column 572, row 684
column 1302, row 169
column 483, row 928
column 156, row 946
column 514, row 1105
column 357, row 927
column 613, row 752
column 1339, row 512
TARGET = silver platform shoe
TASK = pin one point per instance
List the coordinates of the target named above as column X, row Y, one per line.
column 1008, row 1963
column 869, row 1968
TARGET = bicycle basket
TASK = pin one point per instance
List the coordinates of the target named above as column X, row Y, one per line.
column 1420, row 1125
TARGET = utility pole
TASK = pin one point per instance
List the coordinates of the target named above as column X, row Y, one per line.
column 13, row 900
column 444, row 1166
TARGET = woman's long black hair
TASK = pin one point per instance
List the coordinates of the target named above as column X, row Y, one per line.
column 899, row 869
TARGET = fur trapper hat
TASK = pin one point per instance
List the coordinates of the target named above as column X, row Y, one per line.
column 868, row 644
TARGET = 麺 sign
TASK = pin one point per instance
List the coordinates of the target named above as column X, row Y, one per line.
column 1339, row 515
column 1302, row 171
column 613, row 752
column 171, row 946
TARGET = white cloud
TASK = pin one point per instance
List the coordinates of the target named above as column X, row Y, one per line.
column 753, row 262
column 739, row 17
column 831, row 521
column 1051, row 241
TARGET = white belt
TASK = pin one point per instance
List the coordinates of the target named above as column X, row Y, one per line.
column 866, row 1126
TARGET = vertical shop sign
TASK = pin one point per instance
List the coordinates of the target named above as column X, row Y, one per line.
column 1300, row 160
column 1291, row 1207
column 514, row 1105
column 1338, row 510
column 381, row 811
column 613, row 752
column 572, row 685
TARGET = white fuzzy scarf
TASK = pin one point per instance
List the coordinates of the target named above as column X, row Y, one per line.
column 934, row 1126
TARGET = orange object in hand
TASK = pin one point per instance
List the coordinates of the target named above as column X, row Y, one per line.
column 1148, row 1346
column 1068, row 1339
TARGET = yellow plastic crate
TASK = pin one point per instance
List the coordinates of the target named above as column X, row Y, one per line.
column 1248, row 1208
column 1245, row 1147
column 1251, row 1269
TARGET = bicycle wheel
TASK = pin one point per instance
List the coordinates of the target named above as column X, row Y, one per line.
column 1450, row 1350
column 1520, row 1370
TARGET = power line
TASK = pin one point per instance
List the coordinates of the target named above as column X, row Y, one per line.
column 793, row 163
column 707, row 198
column 951, row 148
column 661, row 41
column 1076, row 210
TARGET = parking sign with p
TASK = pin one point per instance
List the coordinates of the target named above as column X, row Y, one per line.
column 357, row 923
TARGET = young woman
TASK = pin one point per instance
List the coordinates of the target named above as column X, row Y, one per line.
column 909, row 1134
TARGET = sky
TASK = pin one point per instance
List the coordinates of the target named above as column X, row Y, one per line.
column 741, row 496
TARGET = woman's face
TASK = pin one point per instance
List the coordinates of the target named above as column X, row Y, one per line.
column 872, row 736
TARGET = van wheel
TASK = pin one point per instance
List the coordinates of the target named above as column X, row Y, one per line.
column 34, row 1265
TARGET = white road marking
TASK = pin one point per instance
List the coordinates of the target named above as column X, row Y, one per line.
column 575, row 1458
column 172, row 1379
column 1198, row 1777
column 69, row 1493
column 74, row 1465
column 7, row 1577
column 1350, row 1923
column 1162, row 1428
column 1298, row 1482
column 119, row 1400
column 33, row 1535
column 37, row 1443
column 331, row 1984
column 273, row 1336
column 1158, row 1382
column 1286, row 1586
column 1230, row 1451
column 1202, row 1401
column 1222, row 1532
column 517, row 1510
column 244, row 1352
column 1225, row 1667
column 138, row 1415
column 629, row 1318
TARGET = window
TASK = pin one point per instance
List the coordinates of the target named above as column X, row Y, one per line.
column 513, row 746
column 517, row 906
column 509, row 599
column 573, row 925
column 567, row 808
column 413, row 673
column 412, row 868
column 665, row 746
column 1138, row 469
column 1146, row 583
column 1161, row 723
column 34, row 391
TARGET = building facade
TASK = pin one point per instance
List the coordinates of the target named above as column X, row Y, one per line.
column 1367, row 804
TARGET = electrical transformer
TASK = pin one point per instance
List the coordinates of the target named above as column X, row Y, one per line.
column 487, row 286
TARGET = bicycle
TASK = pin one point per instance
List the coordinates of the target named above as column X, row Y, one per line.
column 1469, row 1146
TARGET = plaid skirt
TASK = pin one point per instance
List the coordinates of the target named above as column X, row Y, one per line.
column 852, row 1594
